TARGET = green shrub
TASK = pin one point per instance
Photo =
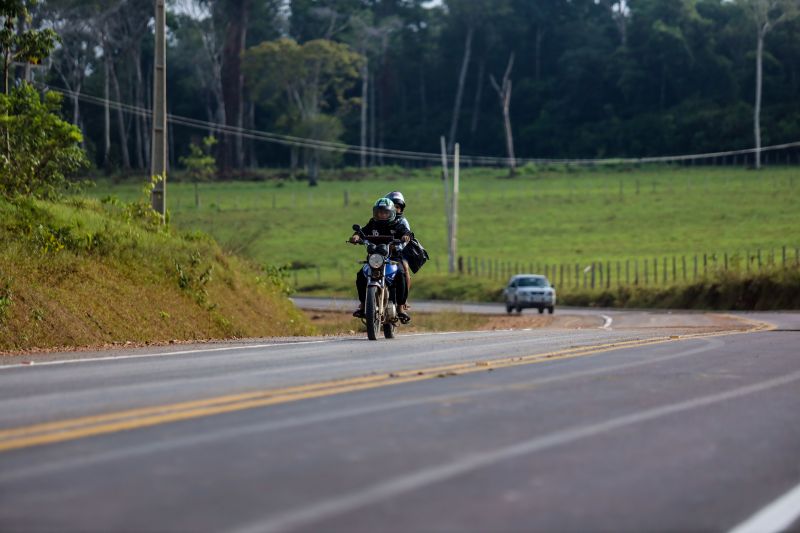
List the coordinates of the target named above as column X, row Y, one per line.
column 38, row 150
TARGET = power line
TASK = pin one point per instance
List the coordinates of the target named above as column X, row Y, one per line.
column 301, row 142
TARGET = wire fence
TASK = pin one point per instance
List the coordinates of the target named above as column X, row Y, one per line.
column 662, row 270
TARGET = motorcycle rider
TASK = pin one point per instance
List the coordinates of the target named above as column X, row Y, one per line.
column 400, row 206
column 384, row 222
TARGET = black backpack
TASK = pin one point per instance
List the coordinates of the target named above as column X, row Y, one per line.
column 415, row 255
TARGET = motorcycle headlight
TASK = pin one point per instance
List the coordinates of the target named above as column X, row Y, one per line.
column 375, row 260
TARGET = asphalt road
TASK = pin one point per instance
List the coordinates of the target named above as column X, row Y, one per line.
column 651, row 423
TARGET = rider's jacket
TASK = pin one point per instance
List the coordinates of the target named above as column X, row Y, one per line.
column 396, row 229
column 404, row 221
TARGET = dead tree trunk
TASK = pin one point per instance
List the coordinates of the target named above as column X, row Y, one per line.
column 504, row 94
column 476, row 105
column 757, row 107
column 460, row 91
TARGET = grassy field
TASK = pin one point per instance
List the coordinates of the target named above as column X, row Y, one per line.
column 541, row 216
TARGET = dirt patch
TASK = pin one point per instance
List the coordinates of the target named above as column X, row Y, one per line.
column 341, row 323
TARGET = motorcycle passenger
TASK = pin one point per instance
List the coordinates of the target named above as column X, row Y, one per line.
column 400, row 206
column 384, row 223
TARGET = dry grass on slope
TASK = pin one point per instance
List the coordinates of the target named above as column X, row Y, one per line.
column 88, row 273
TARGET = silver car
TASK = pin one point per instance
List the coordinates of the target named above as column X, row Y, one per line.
column 529, row 290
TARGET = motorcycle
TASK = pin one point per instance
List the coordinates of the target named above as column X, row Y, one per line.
column 380, row 309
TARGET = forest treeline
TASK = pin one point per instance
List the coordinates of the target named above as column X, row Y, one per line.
column 543, row 78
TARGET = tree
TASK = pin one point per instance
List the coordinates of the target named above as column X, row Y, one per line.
column 766, row 14
column 504, row 94
column 312, row 77
column 238, row 15
column 73, row 57
column 472, row 15
column 200, row 164
column 29, row 46
column 371, row 41
column 41, row 149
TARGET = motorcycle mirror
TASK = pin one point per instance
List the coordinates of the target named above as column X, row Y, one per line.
column 356, row 228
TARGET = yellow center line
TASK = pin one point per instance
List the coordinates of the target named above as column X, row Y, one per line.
column 81, row 427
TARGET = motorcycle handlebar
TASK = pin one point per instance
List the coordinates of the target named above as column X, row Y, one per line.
column 377, row 239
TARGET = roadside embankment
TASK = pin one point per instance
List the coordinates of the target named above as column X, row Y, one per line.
column 96, row 272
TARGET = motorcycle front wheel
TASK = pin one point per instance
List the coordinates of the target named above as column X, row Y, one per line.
column 389, row 329
column 373, row 318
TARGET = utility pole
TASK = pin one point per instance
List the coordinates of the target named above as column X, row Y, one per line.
column 159, row 148
column 448, row 207
column 454, row 213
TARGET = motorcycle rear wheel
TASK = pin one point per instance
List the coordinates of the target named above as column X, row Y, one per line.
column 373, row 318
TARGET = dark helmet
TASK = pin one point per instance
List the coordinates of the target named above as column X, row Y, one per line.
column 384, row 205
column 397, row 198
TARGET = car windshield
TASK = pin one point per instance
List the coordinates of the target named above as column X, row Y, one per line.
column 532, row 282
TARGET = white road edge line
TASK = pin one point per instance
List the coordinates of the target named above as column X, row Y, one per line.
column 608, row 321
column 223, row 349
column 161, row 354
column 775, row 517
column 312, row 513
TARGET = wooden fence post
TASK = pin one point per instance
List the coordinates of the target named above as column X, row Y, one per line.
column 627, row 272
column 646, row 280
column 577, row 276
column 593, row 275
column 619, row 271
column 674, row 269
column 608, row 274
column 783, row 257
column 655, row 271
column 726, row 261
column 600, row 273
column 636, row 272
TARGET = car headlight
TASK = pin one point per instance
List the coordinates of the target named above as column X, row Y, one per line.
column 375, row 260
